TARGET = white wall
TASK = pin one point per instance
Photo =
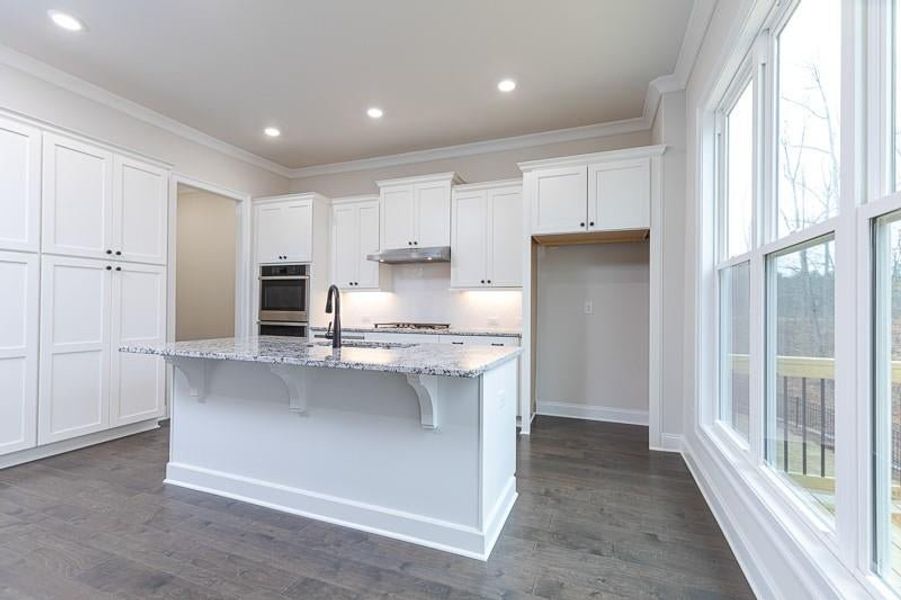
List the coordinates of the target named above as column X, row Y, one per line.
column 420, row 293
column 37, row 98
column 593, row 365
column 206, row 246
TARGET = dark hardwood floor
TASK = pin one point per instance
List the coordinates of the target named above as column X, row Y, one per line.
column 598, row 516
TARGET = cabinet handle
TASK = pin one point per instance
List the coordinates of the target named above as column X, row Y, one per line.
column 496, row 344
column 457, row 343
column 109, row 268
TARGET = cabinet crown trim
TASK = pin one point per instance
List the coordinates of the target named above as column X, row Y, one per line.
column 284, row 197
column 595, row 157
column 354, row 199
column 450, row 176
column 489, row 185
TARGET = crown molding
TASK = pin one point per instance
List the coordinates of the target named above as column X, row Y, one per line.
column 473, row 148
column 59, row 78
column 698, row 22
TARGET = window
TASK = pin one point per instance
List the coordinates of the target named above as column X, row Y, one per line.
column 735, row 347
column 896, row 96
column 809, row 84
column 739, row 173
column 800, row 368
column 887, row 391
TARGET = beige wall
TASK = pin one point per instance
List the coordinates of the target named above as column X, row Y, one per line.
column 36, row 98
column 595, row 363
column 205, row 265
column 473, row 169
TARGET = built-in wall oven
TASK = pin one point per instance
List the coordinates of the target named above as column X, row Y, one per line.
column 284, row 299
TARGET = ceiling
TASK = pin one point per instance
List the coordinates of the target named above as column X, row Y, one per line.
column 229, row 68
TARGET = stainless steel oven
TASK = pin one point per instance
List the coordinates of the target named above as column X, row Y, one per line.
column 284, row 299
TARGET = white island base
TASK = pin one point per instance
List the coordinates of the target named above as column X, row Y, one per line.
column 422, row 458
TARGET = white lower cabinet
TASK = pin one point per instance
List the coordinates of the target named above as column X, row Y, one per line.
column 19, row 277
column 89, row 308
column 139, row 317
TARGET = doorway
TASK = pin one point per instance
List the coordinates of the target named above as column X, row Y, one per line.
column 206, row 258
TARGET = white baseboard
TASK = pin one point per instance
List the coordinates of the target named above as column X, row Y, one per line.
column 778, row 555
column 408, row 527
column 593, row 413
column 669, row 442
column 39, row 452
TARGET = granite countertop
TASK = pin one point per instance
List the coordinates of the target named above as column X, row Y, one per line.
column 414, row 359
column 451, row 331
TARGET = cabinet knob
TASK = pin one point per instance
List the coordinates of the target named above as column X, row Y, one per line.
column 591, row 224
column 109, row 251
column 118, row 253
column 489, row 281
column 415, row 243
column 483, row 281
column 118, row 268
column 109, row 268
column 582, row 224
column 409, row 243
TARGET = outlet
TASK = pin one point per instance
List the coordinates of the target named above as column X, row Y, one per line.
column 589, row 307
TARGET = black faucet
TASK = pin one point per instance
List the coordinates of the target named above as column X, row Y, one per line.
column 336, row 331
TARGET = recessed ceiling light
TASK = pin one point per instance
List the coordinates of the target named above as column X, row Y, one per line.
column 506, row 85
column 375, row 113
column 65, row 20
column 272, row 131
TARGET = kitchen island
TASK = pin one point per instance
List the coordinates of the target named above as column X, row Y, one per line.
column 412, row 441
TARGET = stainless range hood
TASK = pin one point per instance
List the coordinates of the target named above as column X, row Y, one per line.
column 406, row 256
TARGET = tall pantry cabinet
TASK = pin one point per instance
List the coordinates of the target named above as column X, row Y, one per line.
column 83, row 269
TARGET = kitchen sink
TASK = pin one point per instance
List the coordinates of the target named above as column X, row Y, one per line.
column 361, row 344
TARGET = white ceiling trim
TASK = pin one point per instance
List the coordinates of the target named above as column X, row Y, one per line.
column 528, row 140
column 50, row 74
column 695, row 31
column 698, row 21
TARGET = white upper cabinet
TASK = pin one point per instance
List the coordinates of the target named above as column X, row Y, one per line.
column 487, row 238
column 605, row 191
column 619, row 195
column 415, row 211
column 19, row 277
column 284, row 228
column 75, row 348
column 100, row 205
column 20, row 186
column 397, row 220
column 559, row 199
column 140, row 209
column 355, row 234
column 137, row 381
column 78, row 198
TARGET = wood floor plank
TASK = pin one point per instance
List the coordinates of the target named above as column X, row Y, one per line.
column 599, row 516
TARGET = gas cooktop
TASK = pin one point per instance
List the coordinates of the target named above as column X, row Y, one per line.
column 433, row 326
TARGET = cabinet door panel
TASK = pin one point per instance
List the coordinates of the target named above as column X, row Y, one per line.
column 268, row 224
column 468, row 250
column 18, row 350
column 559, row 200
column 397, row 217
column 77, row 198
column 368, row 225
column 345, row 257
column 74, row 363
column 20, row 186
column 619, row 195
column 505, row 253
column 138, row 317
column 433, row 214
column 140, row 211
column 297, row 231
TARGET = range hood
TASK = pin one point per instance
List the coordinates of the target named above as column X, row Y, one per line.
column 406, row 256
